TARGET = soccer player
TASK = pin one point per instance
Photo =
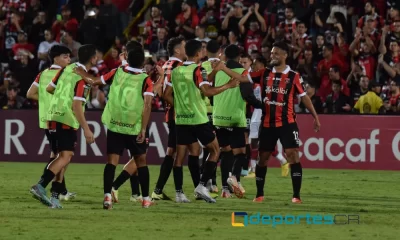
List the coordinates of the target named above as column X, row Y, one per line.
column 60, row 57
column 65, row 115
column 229, row 117
column 213, row 51
column 279, row 88
column 190, row 82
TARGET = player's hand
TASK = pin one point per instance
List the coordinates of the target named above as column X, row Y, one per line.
column 141, row 137
column 233, row 83
column 122, row 57
column 160, row 71
column 317, row 125
column 89, row 136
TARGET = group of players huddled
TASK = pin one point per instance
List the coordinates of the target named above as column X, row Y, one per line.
column 208, row 105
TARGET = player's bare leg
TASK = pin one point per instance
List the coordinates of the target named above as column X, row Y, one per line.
column 108, row 179
column 296, row 171
column 261, row 173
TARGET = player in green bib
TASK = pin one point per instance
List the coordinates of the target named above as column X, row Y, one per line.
column 213, row 50
column 229, row 117
column 65, row 114
column 189, row 83
column 60, row 57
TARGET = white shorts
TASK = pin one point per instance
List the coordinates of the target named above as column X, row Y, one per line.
column 254, row 128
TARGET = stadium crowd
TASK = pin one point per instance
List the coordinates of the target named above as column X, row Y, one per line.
column 347, row 51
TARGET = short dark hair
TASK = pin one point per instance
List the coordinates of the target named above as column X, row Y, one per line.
column 281, row 45
column 131, row 45
column 289, row 6
column 337, row 83
column 136, row 58
column 172, row 43
column 232, row 51
column 58, row 50
column 262, row 60
column 86, row 52
column 246, row 55
column 328, row 46
column 213, row 46
column 192, row 47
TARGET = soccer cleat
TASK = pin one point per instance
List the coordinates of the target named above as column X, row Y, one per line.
column 67, row 197
column 296, row 200
column 114, row 195
column 233, row 184
column 107, row 203
column 55, row 203
column 241, row 187
column 285, row 169
column 258, row 199
column 226, row 194
column 250, row 175
column 147, row 203
column 203, row 193
column 244, row 173
column 161, row 196
column 181, row 198
column 39, row 193
column 136, row 198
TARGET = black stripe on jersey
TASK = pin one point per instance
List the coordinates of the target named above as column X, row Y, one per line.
column 58, row 76
column 285, row 108
column 274, row 98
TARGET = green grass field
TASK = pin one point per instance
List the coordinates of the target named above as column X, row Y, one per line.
column 374, row 195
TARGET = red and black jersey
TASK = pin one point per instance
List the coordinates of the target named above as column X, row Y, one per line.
column 287, row 28
column 168, row 66
column 279, row 91
column 379, row 22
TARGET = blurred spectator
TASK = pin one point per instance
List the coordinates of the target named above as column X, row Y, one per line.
column 13, row 100
column 286, row 27
column 246, row 61
column 187, row 20
column 316, row 100
column 370, row 13
column 233, row 17
column 109, row 18
column 33, row 10
column 160, row 43
column 24, row 69
column 101, row 67
column 256, row 31
column 39, row 26
column 201, row 33
column 334, row 75
column 393, row 106
column 8, row 6
column 23, row 44
column 337, row 101
column 67, row 39
column 307, row 68
column 318, row 48
column 66, row 23
column 113, row 60
column 9, row 30
column 90, row 28
column 209, row 17
column 361, row 90
column 44, row 47
column 370, row 103
column 97, row 98
column 156, row 21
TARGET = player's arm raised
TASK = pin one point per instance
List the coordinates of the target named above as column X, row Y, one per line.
column 148, row 98
column 77, row 108
column 305, row 99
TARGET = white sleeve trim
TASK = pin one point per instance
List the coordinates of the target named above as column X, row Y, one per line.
column 250, row 79
column 36, row 84
column 204, row 83
column 302, row 95
column 80, row 99
column 148, row 94
column 168, row 84
column 52, row 84
column 102, row 80
column 124, row 62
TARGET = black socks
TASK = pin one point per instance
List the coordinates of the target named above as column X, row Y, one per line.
column 248, row 157
column 108, row 177
column 134, row 184
column 144, row 179
column 46, row 178
column 194, row 168
column 226, row 166
column 121, row 179
column 178, row 178
column 239, row 160
column 297, row 175
column 165, row 171
column 261, row 173
column 209, row 168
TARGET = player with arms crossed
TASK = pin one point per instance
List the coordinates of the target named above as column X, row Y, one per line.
column 279, row 88
column 65, row 115
column 60, row 57
column 190, row 82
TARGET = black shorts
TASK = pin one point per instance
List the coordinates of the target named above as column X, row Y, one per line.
column 172, row 134
column 118, row 142
column 52, row 141
column 233, row 137
column 188, row 134
column 248, row 121
column 63, row 137
column 287, row 134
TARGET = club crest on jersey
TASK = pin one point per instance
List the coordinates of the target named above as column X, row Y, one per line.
column 86, row 90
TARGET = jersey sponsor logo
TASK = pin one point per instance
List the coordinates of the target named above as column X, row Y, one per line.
column 57, row 113
column 273, row 89
column 184, row 115
column 269, row 102
column 223, row 118
column 121, row 124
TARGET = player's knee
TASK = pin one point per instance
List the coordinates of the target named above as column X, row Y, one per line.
column 292, row 155
column 141, row 160
column 171, row 151
column 66, row 156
